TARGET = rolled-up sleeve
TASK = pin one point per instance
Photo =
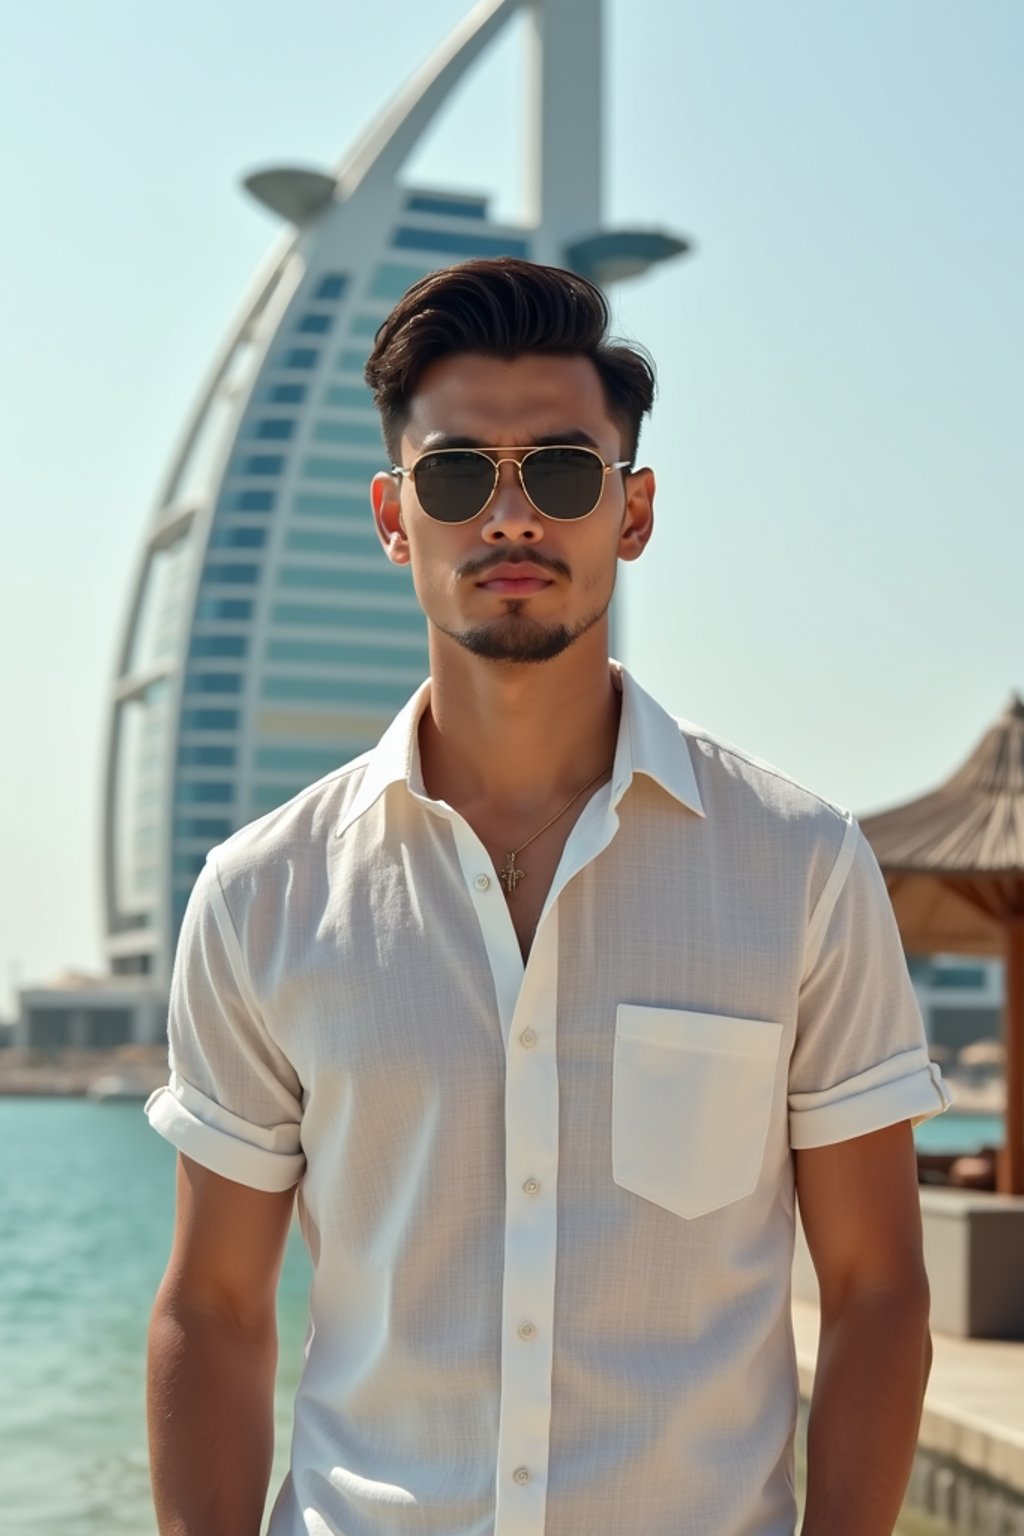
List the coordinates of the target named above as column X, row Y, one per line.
column 860, row 1061
column 233, row 1102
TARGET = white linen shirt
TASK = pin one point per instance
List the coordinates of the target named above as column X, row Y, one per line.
column 550, row 1208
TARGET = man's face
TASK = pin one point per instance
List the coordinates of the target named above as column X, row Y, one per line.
column 513, row 585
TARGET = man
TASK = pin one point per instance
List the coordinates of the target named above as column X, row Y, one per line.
column 546, row 1006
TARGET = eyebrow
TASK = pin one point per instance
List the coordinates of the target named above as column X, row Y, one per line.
column 574, row 437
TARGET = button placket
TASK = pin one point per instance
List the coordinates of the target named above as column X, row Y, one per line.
column 499, row 936
column 531, row 1148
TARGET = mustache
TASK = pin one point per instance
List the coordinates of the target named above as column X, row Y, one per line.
column 484, row 563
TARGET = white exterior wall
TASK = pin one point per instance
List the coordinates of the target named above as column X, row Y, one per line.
column 145, row 1006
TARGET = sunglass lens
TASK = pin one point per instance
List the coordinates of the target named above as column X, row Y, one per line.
column 563, row 482
column 452, row 487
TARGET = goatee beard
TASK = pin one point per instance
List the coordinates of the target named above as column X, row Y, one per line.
column 517, row 638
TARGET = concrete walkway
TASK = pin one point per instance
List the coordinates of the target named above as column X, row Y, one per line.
column 974, row 1405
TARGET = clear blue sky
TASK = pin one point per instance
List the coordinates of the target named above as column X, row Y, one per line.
column 835, row 580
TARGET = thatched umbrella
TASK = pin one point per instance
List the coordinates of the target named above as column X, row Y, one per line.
column 954, row 865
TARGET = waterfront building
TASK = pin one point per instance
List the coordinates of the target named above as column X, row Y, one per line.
column 88, row 1013
column 961, row 1000
column 267, row 638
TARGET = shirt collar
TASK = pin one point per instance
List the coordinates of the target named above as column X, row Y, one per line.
column 650, row 742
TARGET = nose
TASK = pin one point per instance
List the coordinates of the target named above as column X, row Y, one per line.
column 510, row 515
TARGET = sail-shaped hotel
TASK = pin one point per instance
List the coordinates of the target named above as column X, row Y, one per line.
column 268, row 639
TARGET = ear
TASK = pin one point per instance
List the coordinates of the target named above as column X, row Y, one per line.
column 385, row 499
column 638, row 520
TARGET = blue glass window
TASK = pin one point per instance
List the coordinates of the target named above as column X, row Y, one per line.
column 447, row 207
column 300, row 357
column 267, row 797
column 309, row 504
column 220, row 645
column 274, row 428
column 196, row 791
column 251, row 500
column 317, row 578
column 224, row 608
column 202, row 826
column 329, row 690
column 332, row 469
column 367, row 325
column 261, row 464
column 350, row 396
column 303, row 759
column 320, row 616
column 970, row 976
column 331, row 286
column 232, row 575
column 285, row 394
column 362, row 434
column 204, row 755
column 189, row 863
column 213, row 682
column 339, row 653
column 351, row 360
column 314, row 541
column 209, row 719
column 238, row 538
column 457, row 243
column 391, row 281
column 315, row 325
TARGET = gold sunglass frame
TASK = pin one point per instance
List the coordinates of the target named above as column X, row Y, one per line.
column 527, row 451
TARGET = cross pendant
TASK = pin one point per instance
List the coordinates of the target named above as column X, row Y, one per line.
column 510, row 876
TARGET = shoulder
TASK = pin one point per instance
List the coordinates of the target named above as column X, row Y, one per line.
column 298, row 832
column 765, row 806
column 722, row 765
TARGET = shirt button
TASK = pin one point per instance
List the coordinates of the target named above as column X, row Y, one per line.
column 527, row 1331
column 528, row 1038
column 531, row 1187
column 521, row 1475
column 482, row 882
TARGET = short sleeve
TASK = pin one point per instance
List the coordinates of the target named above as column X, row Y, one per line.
column 860, row 1061
column 233, row 1102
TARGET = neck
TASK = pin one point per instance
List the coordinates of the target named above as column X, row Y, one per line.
column 518, row 737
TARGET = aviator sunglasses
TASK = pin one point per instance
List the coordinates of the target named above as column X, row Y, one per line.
column 454, row 485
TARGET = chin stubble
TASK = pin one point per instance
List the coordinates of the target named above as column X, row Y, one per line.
column 515, row 637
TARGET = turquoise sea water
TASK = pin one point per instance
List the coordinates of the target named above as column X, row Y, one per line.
column 85, row 1218
column 954, row 1132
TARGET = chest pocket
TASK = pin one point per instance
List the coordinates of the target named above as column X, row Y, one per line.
column 691, row 1104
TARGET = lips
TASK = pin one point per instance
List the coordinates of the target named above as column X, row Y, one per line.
column 517, row 579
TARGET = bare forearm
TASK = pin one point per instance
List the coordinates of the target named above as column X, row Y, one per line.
column 211, row 1427
column 873, row 1363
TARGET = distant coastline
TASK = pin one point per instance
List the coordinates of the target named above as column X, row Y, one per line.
column 71, row 1074
column 129, row 1071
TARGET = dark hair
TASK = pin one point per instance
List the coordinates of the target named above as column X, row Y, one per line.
column 501, row 308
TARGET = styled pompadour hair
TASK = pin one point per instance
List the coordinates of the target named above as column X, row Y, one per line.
column 501, row 308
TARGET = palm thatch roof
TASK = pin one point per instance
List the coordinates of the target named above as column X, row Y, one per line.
column 972, row 823
column 954, row 858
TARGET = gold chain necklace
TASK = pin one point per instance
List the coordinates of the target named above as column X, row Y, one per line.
column 510, row 876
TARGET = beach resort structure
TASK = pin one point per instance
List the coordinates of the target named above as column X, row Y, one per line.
column 267, row 637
